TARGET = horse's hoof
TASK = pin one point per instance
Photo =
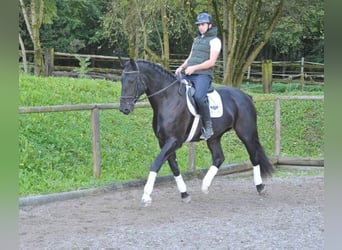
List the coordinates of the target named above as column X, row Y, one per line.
column 186, row 198
column 146, row 200
column 145, row 203
column 205, row 190
column 261, row 188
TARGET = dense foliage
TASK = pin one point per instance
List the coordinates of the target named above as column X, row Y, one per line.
column 98, row 27
column 55, row 148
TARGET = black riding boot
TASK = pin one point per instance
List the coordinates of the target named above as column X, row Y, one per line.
column 207, row 124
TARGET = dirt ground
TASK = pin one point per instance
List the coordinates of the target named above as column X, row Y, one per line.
column 231, row 216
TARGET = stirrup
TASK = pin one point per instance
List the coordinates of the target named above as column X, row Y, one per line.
column 206, row 134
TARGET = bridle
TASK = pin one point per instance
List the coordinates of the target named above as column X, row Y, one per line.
column 135, row 97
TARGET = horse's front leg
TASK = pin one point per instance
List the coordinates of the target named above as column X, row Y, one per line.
column 218, row 158
column 168, row 148
column 172, row 160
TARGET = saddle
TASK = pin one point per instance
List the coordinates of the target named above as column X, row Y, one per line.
column 214, row 98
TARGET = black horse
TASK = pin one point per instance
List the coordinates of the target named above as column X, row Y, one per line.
column 172, row 123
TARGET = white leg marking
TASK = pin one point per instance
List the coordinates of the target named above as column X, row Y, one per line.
column 256, row 175
column 209, row 178
column 146, row 198
column 180, row 183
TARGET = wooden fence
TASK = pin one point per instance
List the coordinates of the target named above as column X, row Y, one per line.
column 108, row 67
column 95, row 124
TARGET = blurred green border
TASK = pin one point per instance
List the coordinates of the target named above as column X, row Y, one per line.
column 9, row 124
column 333, row 92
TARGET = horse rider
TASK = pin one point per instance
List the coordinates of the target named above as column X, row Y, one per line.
column 198, row 67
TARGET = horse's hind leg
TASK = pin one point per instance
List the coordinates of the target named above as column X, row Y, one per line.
column 172, row 160
column 247, row 132
column 218, row 158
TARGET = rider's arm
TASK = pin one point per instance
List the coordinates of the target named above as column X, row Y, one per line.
column 183, row 66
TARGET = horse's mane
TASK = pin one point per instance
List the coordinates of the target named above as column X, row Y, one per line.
column 158, row 68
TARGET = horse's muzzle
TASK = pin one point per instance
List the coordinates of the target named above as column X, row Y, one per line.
column 126, row 107
column 126, row 111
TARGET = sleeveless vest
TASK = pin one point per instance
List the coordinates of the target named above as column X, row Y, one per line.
column 201, row 50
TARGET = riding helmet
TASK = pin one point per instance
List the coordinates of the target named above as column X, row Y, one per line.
column 203, row 18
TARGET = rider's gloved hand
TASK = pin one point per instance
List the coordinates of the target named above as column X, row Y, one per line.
column 179, row 70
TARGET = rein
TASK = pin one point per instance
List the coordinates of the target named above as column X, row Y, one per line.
column 157, row 92
column 148, row 96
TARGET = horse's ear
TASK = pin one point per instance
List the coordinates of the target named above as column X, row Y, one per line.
column 133, row 64
column 122, row 62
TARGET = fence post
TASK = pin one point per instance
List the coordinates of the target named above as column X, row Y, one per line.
column 302, row 73
column 48, row 61
column 277, row 127
column 249, row 72
column 95, row 124
column 267, row 76
column 192, row 152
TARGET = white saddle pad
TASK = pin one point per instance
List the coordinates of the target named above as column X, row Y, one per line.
column 215, row 104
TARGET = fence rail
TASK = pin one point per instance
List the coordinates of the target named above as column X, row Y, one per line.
column 95, row 125
column 108, row 67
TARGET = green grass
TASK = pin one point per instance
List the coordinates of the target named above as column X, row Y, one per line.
column 284, row 88
column 55, row 148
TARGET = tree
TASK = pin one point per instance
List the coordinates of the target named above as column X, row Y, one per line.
column 300, row 32
column 244, row 35
column 35, row 13
column 121, row 26
column 146, row 25
column 77, row 28
column 23, row 54
column 155, row 29
column 247, row 26
column 166, row 47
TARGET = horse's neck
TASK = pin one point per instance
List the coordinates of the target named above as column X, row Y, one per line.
column 169, row 102
column 155, row 85
column 159, row 85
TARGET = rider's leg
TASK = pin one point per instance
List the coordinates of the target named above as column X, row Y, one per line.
column 206, row 120
column 202, row 83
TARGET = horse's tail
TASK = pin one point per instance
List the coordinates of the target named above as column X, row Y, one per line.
column 266, row 167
